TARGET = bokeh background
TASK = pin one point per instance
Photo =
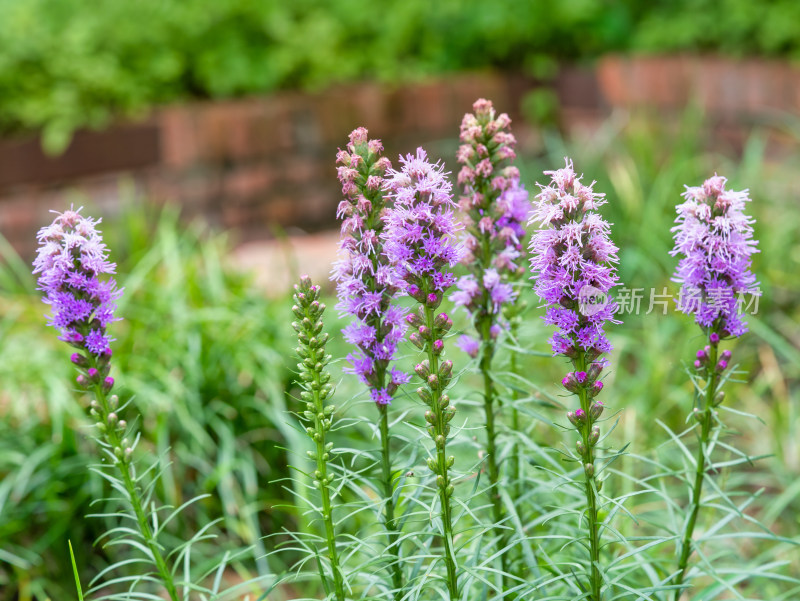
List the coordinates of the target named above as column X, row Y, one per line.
column 204, row 133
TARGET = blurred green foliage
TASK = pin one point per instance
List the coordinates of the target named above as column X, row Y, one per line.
column 67, row 64
column 203, row 355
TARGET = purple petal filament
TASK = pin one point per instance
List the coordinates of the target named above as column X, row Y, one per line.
column 70, row 262
column 366, row 283
column 714, row 240
column 573, row 261
column 419, row 238
column 495, row 206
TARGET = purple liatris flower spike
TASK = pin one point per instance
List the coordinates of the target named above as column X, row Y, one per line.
column 419, row 239
column 70, row 262
column 419, row 242
column 714, row 239
column 495, row 205
column 572, row 261
column 365, row 282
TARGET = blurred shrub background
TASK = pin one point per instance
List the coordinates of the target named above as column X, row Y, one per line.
column 68, row 64
column 208, row 357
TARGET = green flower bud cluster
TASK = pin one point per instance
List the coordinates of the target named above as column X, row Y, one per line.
column 314, row 378
column 317, row 388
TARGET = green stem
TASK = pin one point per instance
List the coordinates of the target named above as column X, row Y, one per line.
column 388, row 495
column 322, row 479
column 705, row 433
column 590, row 490
column 113, row 438
column 487, row 350
column 442, row 467
column 515, row 456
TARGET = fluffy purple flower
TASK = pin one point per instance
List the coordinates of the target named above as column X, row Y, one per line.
column 365, row 281
column 70, row 262
column 495, row 206
column 469, row 345
column 572, row 261
column 714, row 239
column 419, row 238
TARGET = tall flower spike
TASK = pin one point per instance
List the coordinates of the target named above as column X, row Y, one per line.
column 316, row 390
column 419, row 242
column 572, row 261
column 367, row 286
column 495, row 205
column 714, row 239
column 71, row 261
column 365, row 282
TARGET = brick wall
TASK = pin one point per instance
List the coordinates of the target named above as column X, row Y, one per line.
column 248, row 165
column 253, row 164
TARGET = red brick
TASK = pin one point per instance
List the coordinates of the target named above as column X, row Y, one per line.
column 178, row 136
column 248, row 181
column 613, row 80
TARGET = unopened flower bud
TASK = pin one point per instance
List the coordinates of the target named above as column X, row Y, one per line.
column 432, row 300
column 570, row 382
column 424, row 332
column 93, row 374
column 438, row 346
column 580, row 376
column 414, row 320
column 594, row 435
column 713, row 338
column 580, row 447
column 589, row 469
column 595, row 388
column 433, row 381
column 424, row 394
column 594, row 371
column 108, row 384
column 446, row 368
column 83, row 381
column 726, row 355
column 78, row 359
column 423, row 369
column 577, row 417
column 417, row 340
column 596, row 409
column 719, row 398
column 722, row 365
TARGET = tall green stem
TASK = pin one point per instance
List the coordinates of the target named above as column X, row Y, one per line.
column 322, row 480
column 705, row 434
column 388, row 495
column 590, row 491
column 515, row 456
column 442, row 464
column 487, row 350
column 112, row 434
